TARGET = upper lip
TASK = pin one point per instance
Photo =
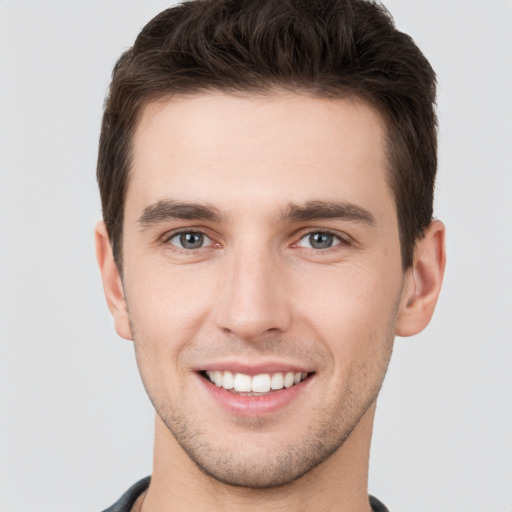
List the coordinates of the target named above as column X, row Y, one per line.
column 254, row 369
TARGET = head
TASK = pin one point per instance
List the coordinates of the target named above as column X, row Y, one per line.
column 266, row 171
column 326, row 49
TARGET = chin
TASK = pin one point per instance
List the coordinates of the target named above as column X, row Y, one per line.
column 255, row 463
column 259, row 474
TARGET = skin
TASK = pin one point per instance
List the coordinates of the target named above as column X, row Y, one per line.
column 258, row 293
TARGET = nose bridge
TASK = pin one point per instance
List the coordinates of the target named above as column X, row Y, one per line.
column 253, row 299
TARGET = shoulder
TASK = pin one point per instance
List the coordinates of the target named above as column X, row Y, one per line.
column 377, row 506
column 126, row 501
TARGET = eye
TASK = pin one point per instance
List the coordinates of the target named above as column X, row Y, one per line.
column 190, row 240
column 319, row 240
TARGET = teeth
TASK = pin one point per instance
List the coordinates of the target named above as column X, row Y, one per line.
column 261, row 383
column 242, row 383
column 228, row 380
column 289, row 380
column 277, row 381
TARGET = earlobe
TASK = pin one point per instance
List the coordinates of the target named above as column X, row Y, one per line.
column 112, row 282
column 423, row 282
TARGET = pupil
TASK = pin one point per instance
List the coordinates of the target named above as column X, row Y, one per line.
column 321, row 240
column 191, row 240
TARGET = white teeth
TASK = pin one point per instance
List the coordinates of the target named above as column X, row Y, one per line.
column 289, row 380
column 228, row 382
column 262, row 383
column 277, row 381
column 242, row 383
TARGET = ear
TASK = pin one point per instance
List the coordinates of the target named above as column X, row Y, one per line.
column 423, row 282
column 112, row 282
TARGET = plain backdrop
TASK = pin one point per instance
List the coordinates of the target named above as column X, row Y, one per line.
column 75, row 424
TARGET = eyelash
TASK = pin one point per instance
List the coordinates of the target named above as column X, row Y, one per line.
column 341, row 240
column 168, row 237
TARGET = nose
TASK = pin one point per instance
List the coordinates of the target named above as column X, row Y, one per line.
column 253, row 300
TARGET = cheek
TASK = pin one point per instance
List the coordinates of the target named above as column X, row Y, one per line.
column 352, row 312
column 166, row 313
column 168, row 303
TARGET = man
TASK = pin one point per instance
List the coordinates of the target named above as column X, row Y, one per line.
column 266, row 170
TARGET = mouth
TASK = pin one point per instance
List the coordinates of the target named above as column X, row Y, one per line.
column 254, row 385
column 258, row 390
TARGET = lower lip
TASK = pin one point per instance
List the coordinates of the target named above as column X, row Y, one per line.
column 244, row 405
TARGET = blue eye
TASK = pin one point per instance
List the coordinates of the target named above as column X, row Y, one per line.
column 319, row 240
column 190, row 240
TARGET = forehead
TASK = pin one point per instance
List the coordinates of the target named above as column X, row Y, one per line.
column 217, row 147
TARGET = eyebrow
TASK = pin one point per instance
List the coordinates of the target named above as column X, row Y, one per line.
column 168, row 209
column 316, row 210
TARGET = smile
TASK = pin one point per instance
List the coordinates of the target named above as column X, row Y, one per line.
column 256, row 385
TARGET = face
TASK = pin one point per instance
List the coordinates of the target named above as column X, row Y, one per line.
column 262, row 276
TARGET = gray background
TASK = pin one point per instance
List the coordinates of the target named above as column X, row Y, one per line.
column 75, row 424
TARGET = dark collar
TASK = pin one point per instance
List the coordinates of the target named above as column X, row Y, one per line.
column 125, row 503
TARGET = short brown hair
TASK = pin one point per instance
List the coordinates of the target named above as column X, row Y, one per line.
column 327, row 48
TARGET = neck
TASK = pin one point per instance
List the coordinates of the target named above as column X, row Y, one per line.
column 337, row 484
